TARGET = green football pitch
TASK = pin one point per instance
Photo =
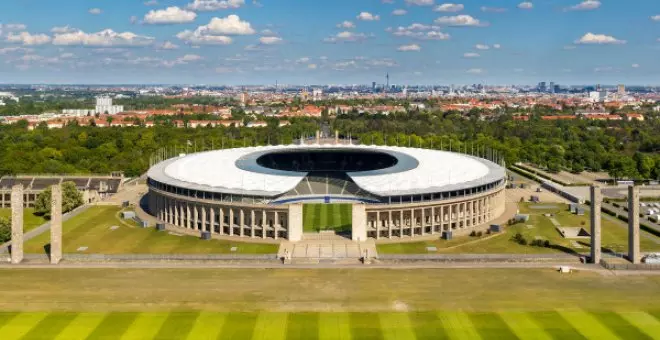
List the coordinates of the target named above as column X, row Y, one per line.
column 575, row 324
column 337, row 217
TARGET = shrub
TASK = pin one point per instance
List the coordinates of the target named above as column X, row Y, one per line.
column 546, row 244
column 5, row 230
column 473, row 233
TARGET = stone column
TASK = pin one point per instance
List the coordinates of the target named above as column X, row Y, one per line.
column 412, row 222
column 196, row 217
column 432, row 220
column 253, row 224
column 169, row 211
column 241, row 222
column 401, row 223
column 56, row 224
column 264, row 227
column 633, row 224
column 17, row 224
column 295, row 228
column 221, row 220
column 204, row 226
column 231, row 222
column 188, row 216
column 176, row 214
column 423, row 221
column 389, row 224
column 359, row 223
column 596, row 200
column 212, row 220
column 377, row 225
column 276, row 224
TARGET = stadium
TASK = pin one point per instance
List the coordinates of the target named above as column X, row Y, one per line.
column 259, row 192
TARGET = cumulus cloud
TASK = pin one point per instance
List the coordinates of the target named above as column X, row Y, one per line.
column 399, row 12
column 497, row 46
column 420, row 2
column 346, row 24
column 168, row 46
column 449, row 7
column 217, row 31
column 214, row 5
column 28, row 39
column 198, row 37
column 170, row 15
column 105, row 38
column 12, row 27
column 409, row 48
column 62, row 29
column 586, row 5
column 471, row 55
column 419, row 31
column 481, row 47
column 458, row 20
column 599, row 39
column 346, row 36
column 475, row 71
column 526, row 5
column 95, row 11
column 656, row 17
column 270, row 40
column 366, row 16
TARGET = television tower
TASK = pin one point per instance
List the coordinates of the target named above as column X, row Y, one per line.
column 388, row 81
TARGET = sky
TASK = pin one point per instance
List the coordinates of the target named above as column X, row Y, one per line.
column 307, row 42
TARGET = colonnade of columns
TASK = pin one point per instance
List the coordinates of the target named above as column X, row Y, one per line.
column 221, row 219
column 419, row 220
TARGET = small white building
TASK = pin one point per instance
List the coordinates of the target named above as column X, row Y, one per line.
column 104, row 105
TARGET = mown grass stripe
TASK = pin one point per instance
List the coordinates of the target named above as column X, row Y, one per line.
column 491, row 325
column 20, row 325
column 458, row 326
column 588, row 325
column 81, row 326
column 334, row 326
column 644, row 322
column 207, row 326
column 317, row 217
column 50, row 326
column 333, row 218
column 113, row 326
column 5, row 318
column 619, row 326
column 324, row 214
column 239, row 326
column 302, row 326
column 523, row 326
column 270, row 326
column 365, row 326
column 396, row 326
column 146, row 326
column 177, row 325
column 427, row 326
column 555, row 325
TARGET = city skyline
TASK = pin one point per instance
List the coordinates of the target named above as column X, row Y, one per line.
column 236, row 42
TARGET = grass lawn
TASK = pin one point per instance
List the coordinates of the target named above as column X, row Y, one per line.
column 318, row 217
column 614, row 237
column 30, row 220
column 92, row 229
column 325, row 304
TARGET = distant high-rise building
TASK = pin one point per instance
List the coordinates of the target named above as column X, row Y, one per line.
column 244, row 98
column 373, row 85
column 621, row 89
column 542, row 87
column 388, row 80
column 556, row 89
column 317, row 94
column 104, row 106
column 551, row 88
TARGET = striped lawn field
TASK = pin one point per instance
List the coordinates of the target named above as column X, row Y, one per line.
column 318, row 217
column 92, row 229
column 572, row 324
column 30, row 220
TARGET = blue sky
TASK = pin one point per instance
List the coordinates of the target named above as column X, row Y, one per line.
column 330, row 42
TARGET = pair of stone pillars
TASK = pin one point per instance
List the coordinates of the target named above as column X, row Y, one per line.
column 634, row 254
column 17, row 203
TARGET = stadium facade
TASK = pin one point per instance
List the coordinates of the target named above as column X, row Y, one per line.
column 258, row 192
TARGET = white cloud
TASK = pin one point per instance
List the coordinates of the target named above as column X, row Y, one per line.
column 526, row 5
column 419, row 2
column 475, row 71
column 458, row 20
column 449, row 7
column 95, row 11
column 12, row 27
column 312, row 66
column 198, row 37
column 600, row 39
column 409, row 48
column 190, row 57
column 270, row 40
column 481, row 47
column 62, row 29
column 168, row 46
column 497, row 46
column 214, row 5
column 28, row 39
column 14, row 49
column 170, row 15
column 346, row 24
column 656, row 17
column 586, row 5
column 603, row 69
column 419, row 31
column 399, row 12
column 634, row 65
column 471, row 55
column 366, row 16
column 105, row 38
column 231, row 25
column 346, row 36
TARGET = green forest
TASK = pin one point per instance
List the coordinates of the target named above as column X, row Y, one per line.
column 624, row 149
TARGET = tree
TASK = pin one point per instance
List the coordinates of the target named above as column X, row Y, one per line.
column 5, row 230
column 71, row 199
